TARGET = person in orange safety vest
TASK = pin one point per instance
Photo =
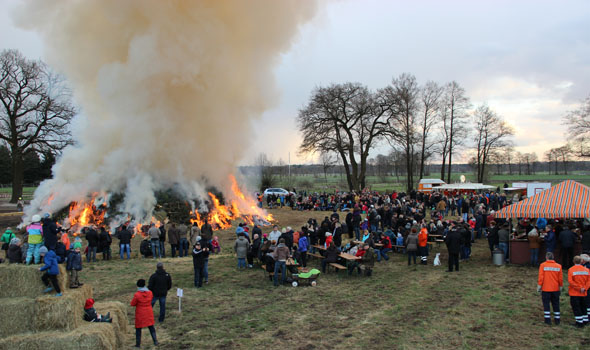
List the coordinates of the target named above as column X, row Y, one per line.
column 423, row 245
column 578, row 278
column 550, row 283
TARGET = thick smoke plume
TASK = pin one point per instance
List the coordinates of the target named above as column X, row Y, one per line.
column 167, row 91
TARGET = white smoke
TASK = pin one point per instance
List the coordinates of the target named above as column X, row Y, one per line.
column 167, row 90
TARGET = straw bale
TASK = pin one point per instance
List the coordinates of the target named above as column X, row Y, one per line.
column 64, row 313
column 18, row 280
column 16, row 315
column 118, row 314
column 91, row 336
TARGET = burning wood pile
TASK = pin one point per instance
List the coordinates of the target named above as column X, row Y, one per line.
column 98, row 211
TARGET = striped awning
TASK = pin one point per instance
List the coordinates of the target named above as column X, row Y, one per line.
column 568, row 199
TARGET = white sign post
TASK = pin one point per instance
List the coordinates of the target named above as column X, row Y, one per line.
column 179, row 294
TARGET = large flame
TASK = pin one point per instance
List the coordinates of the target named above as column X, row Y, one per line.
column 240, row 208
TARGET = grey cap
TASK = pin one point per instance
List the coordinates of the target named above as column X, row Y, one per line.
column 43, row 250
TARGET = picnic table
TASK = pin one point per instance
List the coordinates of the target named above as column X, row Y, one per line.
column 320, row 247
column 379, row 244
column 351, row 257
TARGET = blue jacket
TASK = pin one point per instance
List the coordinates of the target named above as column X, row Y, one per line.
column 303, row 245
column 541, row 223
column 74, row 261
column 50, row 260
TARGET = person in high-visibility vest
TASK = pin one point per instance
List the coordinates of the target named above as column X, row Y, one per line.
column 549, row 284
column 423, row 245
column 586, row 264
column 578, row 278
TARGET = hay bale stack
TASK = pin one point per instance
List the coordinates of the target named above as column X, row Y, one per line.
column 92, row 336
column 119, row 315
column 16, row 314
column 17, row 280
column 43, row 313
column 64, row 313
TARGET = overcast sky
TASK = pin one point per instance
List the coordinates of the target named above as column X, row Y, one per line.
column 528, row 60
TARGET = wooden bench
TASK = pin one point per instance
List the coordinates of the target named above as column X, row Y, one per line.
column 337, row 266
column 315, row 255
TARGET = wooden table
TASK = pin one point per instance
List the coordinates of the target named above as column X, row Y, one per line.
column 349, row 256
column 320, row 247
column 379, row 244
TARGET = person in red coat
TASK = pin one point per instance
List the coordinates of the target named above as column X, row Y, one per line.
column 144, row 315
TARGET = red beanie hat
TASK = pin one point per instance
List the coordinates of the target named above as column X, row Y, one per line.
column 89, row 303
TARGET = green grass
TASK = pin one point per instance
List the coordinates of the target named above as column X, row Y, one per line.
column 318, row 183
column 400, row 307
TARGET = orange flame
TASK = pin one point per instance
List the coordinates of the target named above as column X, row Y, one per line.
column 240, row 208
column 84, row 214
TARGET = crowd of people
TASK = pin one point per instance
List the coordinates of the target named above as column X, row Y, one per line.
column 369, row 226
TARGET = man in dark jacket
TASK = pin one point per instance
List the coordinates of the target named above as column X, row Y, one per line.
column 160, row 283
column 207, row 231
column 337, row 235
column 124, row 241
column 465, row 242
column 162, row 241
column 453, row 242
column 348, row 220
column 92, row 238
column 49, row 232
column 567, row 239
column 173, row 238
column 105, row 243
column 586, row 242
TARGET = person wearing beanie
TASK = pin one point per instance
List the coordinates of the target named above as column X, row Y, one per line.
column 35, row 232
column 52, row 270
column 160, row 283
column 144, row 315
column 90, row 314
column 14, row 253
column 74, row 264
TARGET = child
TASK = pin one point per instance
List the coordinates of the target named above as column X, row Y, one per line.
column 215, row 245
column 90, row 314
column 144, row 315
column 6, row 238
column 74, row 264
column 50, row 260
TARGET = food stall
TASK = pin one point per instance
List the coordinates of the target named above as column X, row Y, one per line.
column 566, row 200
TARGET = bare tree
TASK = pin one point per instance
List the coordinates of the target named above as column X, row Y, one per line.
column 35, row 113
column 551, row 157
column 492, row 134
column 520, row 159
column 402, row 99
column 564, row 152
column 508, row 156
column 345, row 119
column 267, row 178
column 578, row 123
column 430, row 95
column 456, row 104
column 327, row 160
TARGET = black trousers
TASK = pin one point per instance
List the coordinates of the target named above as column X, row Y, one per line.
column 567, row 257
column 138, row 335
column 453, row 261
column 303, row 259
column 53, row 278
column 579, row 308
column 551, row 299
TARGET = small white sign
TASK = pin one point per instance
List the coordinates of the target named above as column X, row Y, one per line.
column 179, row 292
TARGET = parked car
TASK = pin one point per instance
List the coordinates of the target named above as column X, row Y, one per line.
column 277, row 192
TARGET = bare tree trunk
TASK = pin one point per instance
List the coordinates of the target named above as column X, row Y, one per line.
column 17, row 175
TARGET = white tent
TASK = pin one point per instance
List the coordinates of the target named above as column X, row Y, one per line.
column 465, row 186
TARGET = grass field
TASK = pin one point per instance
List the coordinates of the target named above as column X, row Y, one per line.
column 399, row 307
column 388, row 183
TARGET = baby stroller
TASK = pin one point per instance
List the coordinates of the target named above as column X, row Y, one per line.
column 145, row 248
column 309, row 277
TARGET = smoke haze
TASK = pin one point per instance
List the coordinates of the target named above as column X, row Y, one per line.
column 167, row 91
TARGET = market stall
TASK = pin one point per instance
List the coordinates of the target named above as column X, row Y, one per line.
column 566, row 200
